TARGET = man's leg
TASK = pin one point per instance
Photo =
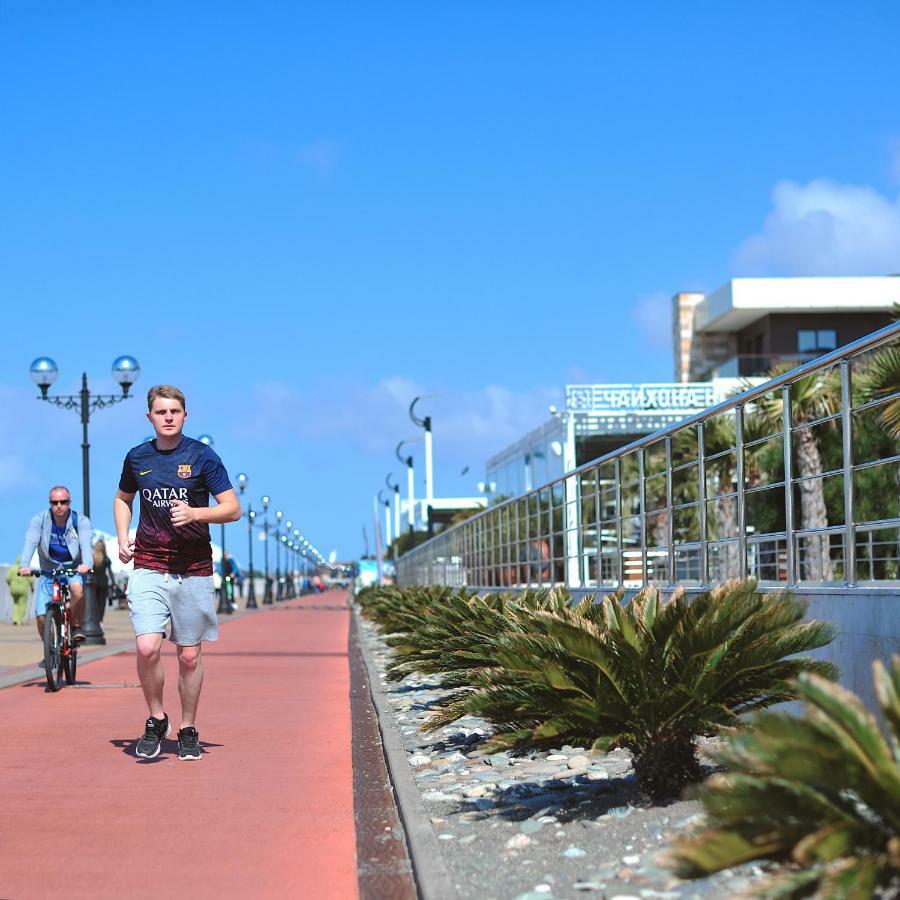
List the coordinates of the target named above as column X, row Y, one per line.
column 190, row 681
column 40, row 626
column 76, row 588
column 150, row 671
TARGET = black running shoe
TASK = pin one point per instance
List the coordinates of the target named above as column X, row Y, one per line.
column 154, row 732
column 188, row 743
column 77, row 634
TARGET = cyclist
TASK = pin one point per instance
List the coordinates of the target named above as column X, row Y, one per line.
column 61, row 537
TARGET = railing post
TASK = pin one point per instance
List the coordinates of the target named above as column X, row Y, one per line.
column 701, row 472
column 786, row 420
column 571, row 520
column 670, row 513
column 739, row 498
column 849, row 500
column 642, row 518
column 620, row 544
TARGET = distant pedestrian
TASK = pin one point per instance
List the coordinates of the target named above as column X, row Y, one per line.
column 103, row 576
column 20, row 590
column 172, row 583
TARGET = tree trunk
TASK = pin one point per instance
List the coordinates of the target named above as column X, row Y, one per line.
column 726, row 527
column 813, row 513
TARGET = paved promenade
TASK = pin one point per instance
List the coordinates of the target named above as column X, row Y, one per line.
column 268, row 811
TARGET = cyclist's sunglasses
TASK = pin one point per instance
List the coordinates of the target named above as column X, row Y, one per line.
column 60, row 502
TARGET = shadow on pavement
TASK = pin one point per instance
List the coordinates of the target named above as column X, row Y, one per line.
column 168, row 748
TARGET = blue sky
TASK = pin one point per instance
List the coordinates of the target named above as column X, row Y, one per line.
column 305, row 214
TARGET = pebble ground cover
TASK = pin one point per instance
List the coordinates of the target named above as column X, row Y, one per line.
column 563, row 823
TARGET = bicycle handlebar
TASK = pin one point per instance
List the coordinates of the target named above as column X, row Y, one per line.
column 59, row 570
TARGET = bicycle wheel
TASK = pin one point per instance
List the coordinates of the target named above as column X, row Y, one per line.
column 53, row 664
column 70, row 662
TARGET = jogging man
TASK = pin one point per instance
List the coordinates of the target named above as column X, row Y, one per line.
column 172, row 582
column 61, row 538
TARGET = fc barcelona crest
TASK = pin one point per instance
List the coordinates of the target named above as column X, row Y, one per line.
column 184, row 471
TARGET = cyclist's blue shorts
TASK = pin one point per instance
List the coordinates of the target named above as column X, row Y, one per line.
column 44, row 593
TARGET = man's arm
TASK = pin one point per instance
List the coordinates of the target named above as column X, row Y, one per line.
column 122, row 518
column 32, row 537
column 227, row 509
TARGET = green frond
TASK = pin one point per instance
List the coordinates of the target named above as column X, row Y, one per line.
column 821, row 791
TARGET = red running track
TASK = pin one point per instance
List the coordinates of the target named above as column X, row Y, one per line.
column 267, row 811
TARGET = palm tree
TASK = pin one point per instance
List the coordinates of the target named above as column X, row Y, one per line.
column 812, row 397
column 881, row 378
column 820, row 794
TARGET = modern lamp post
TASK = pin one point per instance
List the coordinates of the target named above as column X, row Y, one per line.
column 396, row 489
column 243, row 480
column 410, row 485
column 429, row 462
column 125, row 370
column 267, row 587
column 387, row 520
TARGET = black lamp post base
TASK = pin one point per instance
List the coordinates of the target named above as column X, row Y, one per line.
column 90, row 623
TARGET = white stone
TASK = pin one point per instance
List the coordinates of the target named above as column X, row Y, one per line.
column 631, row 860
column 578, row 762
column 419, row 760
column 518, row 842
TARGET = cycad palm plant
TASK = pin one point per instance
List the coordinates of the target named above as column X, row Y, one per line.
column 457, row 634
column 819, row 793
column 648, row 676
column 399, row 609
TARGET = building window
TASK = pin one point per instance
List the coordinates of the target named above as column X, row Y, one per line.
column 811, row 340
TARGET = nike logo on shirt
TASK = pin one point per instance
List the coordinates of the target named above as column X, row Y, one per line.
column 146, row 472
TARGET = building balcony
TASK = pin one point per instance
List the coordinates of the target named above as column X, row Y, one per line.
column 754, row 365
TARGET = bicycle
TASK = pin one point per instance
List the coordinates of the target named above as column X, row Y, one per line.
column 60, row 648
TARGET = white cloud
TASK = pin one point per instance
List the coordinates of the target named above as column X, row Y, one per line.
column 824, row 228
column 321, row 156
column 374, row 417
column 653, row 315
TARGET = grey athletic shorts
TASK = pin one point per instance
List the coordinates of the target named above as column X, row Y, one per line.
column 156, row 599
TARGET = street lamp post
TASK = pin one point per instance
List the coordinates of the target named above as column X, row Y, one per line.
column 267, row 587
column 298, row 552
column 278, row 587
column 224, row 599
column 288, row 562
column 243, row 480
column 125, row 370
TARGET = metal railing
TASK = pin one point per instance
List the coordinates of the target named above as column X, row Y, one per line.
column 795, row 482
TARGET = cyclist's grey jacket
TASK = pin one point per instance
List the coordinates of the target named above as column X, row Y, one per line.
column 38, row 538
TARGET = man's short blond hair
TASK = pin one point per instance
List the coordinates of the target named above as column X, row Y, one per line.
column 165, row 392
